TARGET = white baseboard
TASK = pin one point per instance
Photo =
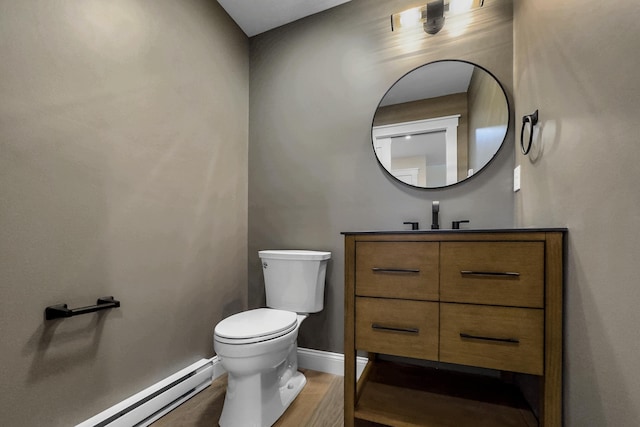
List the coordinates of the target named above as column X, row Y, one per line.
column 325, row 361
column 218, row 370
column 150, row 404
column 316, row 360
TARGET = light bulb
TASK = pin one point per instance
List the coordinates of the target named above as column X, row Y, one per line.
column 410, row 17
column 458, row 6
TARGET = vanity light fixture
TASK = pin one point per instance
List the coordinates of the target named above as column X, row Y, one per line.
column 432, row 15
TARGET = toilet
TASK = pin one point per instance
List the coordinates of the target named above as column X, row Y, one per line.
column 258, row 348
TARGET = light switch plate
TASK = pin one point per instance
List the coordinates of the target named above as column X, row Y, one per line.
column 516, row 179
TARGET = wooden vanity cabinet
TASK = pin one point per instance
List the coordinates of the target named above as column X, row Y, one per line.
column 485, row 299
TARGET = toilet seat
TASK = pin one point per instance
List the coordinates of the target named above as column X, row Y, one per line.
column 256, row 325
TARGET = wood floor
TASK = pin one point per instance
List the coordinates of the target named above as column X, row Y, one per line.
column 319, row 404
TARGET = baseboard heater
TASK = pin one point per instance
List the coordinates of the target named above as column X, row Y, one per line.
column 150, row 404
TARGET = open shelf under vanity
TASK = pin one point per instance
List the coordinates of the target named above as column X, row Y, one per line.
column 404, row 395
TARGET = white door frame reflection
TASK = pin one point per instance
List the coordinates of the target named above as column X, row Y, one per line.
column 434, row 155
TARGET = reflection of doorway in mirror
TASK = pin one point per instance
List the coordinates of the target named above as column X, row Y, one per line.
column 425, row 152
column 383, row 151
column 430, row 146
column 408, row 176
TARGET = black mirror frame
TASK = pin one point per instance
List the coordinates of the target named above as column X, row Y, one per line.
column 509, row 125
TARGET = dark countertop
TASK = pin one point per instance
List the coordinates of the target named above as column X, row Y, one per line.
column 463, row 231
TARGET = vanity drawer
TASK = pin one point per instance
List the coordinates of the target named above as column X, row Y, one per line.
column 496, row 273
column 397, row 269
column 397, row 327
column 504, row 338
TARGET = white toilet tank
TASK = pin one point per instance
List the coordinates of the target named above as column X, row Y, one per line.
column 294, row 279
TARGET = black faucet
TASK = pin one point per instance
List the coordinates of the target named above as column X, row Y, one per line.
column 414, row 225
column 435, row 208
column 456, row 224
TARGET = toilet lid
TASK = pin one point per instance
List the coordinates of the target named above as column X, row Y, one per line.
column 256, row 324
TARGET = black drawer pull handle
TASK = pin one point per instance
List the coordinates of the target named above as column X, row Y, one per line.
column 61, row 310
column 394, row 329
column 489, row 273
column 476, row 337
column 395, row 270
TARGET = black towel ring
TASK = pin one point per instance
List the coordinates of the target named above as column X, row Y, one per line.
column 532, row 119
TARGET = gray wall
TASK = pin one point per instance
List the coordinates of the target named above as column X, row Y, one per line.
column 315, row 85
column 578, row 62
column 123, row 171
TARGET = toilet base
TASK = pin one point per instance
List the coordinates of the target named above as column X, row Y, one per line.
column 292, row 389
column 259, row 400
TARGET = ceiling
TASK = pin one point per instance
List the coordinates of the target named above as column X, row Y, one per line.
column 430, row 81
column 257, row 16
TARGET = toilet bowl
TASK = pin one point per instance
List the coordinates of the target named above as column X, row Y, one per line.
column 258, row 348
column 263, row 377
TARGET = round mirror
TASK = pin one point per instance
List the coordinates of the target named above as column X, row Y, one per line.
column 440, row 124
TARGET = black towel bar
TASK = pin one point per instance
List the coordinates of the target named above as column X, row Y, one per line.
column 61, row 310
